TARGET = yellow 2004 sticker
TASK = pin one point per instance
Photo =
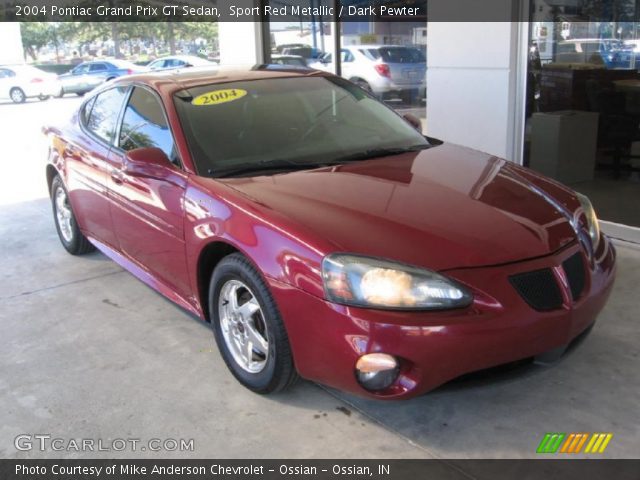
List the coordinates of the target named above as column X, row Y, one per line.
column 217, row 97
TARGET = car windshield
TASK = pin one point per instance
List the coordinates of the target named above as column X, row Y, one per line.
column 299, row 122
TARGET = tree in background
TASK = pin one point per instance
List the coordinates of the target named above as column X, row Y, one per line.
column 161, row 36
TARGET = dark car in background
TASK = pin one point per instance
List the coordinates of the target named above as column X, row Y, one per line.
column 291, row 60
column 88, row 75
column 305, row 51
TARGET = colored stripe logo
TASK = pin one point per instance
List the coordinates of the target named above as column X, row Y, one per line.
column 574, row 442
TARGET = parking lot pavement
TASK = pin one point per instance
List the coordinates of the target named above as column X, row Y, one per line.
column 90, row 352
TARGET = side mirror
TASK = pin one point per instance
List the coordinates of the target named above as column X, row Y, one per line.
column 147, row 162
column 413, row 121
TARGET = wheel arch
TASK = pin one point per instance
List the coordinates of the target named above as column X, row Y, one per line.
column 210, row 255
column 52, row 172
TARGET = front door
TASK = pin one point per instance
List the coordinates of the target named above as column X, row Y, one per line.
column 148, row 213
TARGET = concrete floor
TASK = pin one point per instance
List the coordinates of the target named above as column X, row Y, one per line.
column 90, row 352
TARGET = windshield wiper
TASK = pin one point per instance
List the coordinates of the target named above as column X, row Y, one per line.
column 290, row 165
column 283, row 165
column 379, row 152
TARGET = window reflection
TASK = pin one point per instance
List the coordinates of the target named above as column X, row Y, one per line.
column 583, row 101
column 105, row 111
column 144, row 124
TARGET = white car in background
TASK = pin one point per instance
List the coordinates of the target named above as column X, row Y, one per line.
column 19, row 82
column 178, row 61
column 382, row 69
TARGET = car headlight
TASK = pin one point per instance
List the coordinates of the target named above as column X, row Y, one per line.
column 372, row 283
column 592, row 220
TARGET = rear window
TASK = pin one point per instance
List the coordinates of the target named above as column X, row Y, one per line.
column 401, row 55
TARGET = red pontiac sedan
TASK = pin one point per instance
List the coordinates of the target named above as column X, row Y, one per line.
column 321, row 234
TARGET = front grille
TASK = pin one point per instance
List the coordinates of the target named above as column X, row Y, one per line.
column 538, row 288
column 574, row 270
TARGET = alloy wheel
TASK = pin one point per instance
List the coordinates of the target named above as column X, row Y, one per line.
column 17, row 95
column 243, row 326
column 64, row 216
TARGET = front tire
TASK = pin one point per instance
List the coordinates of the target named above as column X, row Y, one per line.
column 248, row 328
column 17, row 95
column 70, row 235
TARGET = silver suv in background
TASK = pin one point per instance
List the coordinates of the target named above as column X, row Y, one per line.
column 384, row 70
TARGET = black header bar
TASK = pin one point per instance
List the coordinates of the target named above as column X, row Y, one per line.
column 263, row 10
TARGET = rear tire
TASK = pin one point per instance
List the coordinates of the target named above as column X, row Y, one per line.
column 248, row 328
column 70, row 235
column 17, row 95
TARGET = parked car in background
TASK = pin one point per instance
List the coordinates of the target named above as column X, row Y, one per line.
column 304, row 51
column 294, row 60
column 382, row 69
column 611, row 53
column 19, row 82
column 88, row 75
column 178, row 61
column 282, row 47
column 321, row 233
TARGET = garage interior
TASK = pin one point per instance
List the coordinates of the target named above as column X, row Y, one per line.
column 91, row 352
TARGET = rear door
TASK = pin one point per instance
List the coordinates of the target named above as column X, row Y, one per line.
column 86, row 156
column 148, row 213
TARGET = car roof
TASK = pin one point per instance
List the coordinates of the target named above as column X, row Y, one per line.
column 169, row 81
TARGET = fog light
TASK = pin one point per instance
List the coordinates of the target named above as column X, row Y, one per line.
column 377, row 371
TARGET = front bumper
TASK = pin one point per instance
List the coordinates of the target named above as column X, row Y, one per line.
column 435, row 347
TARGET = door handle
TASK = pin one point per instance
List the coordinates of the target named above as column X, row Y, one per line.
column 117, row 177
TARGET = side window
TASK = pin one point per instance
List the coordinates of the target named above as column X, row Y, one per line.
column 81, row 69
column 85, row 112
column 104, row 114
column 6, row 73
column 347, row 56
column 98, row 67
column 144, row 125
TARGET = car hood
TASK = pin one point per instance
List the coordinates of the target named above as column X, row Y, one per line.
column 441, row 208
